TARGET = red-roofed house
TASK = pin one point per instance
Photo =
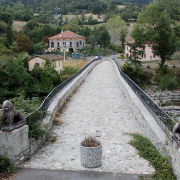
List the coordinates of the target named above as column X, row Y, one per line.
column 67, row 40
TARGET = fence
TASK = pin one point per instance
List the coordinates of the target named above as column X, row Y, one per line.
column 163, row 120
column 40, row 113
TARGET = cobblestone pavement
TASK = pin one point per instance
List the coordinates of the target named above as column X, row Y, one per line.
column 98, row 108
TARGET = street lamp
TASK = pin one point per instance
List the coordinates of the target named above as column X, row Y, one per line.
column 64, row 52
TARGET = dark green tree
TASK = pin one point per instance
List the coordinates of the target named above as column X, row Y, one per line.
column 9, row 36
column 136, row 47
column 122, row 37
column 159, row 31
column 104, row 38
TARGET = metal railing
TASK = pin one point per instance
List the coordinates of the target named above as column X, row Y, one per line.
column 163, row 119
column 40, row 113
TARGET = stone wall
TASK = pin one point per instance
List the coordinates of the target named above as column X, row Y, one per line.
column 17, row 146
column 163, row 142
column 164, row 98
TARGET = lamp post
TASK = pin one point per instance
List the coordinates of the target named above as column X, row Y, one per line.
column 64, row 52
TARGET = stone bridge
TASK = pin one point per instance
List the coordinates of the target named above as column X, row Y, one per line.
column 105, row 107
column 99, row 108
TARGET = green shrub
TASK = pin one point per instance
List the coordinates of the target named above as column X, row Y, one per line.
column 148, row 66
column 121, row 56
column 70, row 70
column 136, row 74
column 148, row 151
column 26, row 105
column 167, row 82
column 127, row 24
column 5, row 166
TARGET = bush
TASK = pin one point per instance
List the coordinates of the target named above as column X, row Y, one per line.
column 136, row 74
column 70, row 70
column 127, row 24
column 167, row 82
column 5, row 166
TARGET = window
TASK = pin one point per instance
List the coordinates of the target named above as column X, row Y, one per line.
column 64, row 43
column 77, row 44
column 55, row 64
column 52, row 44
column 143, row 55
column 70, row 43
column 57, row 44
column 59, row 63
column 80, row 42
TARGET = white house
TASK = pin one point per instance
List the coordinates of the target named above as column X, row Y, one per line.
column 40, row 60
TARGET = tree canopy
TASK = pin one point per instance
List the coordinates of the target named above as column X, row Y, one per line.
column 159, row 29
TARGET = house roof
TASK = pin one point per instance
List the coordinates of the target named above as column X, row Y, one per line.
column 66, row 34
column 52, row 57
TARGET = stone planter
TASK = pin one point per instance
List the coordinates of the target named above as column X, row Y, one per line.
column 91, row 156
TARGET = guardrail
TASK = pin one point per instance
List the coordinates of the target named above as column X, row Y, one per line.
column 163, row 119
column 40, row 113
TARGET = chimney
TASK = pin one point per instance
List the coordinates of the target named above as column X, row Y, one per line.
column 62, row 31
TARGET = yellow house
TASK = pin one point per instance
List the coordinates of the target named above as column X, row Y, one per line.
column 40, row 60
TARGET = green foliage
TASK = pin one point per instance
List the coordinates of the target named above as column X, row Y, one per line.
column 5, row 166
column 122, row 37
column 165, row 78
column 148, row 151
column 167, row 82
column 15, row 79
column 159, row 29
column 27, row 105
column 70, row 70
column 9, row 36
column 136, row 74
column 36, row 130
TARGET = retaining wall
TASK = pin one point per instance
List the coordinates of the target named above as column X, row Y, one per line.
column 163, row 142
column 17, row 146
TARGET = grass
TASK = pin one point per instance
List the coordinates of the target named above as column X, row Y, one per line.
column 76, row 63
column 148, row 151
column 17, row 25
column 95, row 16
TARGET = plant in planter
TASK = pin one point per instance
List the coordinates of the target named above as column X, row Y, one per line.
column 91, row 152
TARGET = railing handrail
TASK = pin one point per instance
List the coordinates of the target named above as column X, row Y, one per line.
column 162, row 118
column 50, row 97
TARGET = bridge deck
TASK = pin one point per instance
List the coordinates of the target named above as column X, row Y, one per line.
column 98, row 108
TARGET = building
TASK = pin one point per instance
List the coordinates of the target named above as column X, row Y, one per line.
column 146, row 56
column 40, row 60
column 67, row 40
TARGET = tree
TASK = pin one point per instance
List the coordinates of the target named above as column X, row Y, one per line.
column 122, row 37
column 159, row 32
column 23, row 42
column 115, row 25
column 9, row 36
column 6, row 17
column 136, row 47
column 104, row 38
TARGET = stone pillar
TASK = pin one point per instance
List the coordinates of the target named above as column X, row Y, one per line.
column 175, row 159
column 15, row 144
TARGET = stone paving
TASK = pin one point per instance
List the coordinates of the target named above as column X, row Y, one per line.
column 98, row 108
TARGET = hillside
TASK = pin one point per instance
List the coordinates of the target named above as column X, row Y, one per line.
column 67, row 6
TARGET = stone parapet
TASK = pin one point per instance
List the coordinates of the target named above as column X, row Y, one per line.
column 163, row 142
column 17, row 146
